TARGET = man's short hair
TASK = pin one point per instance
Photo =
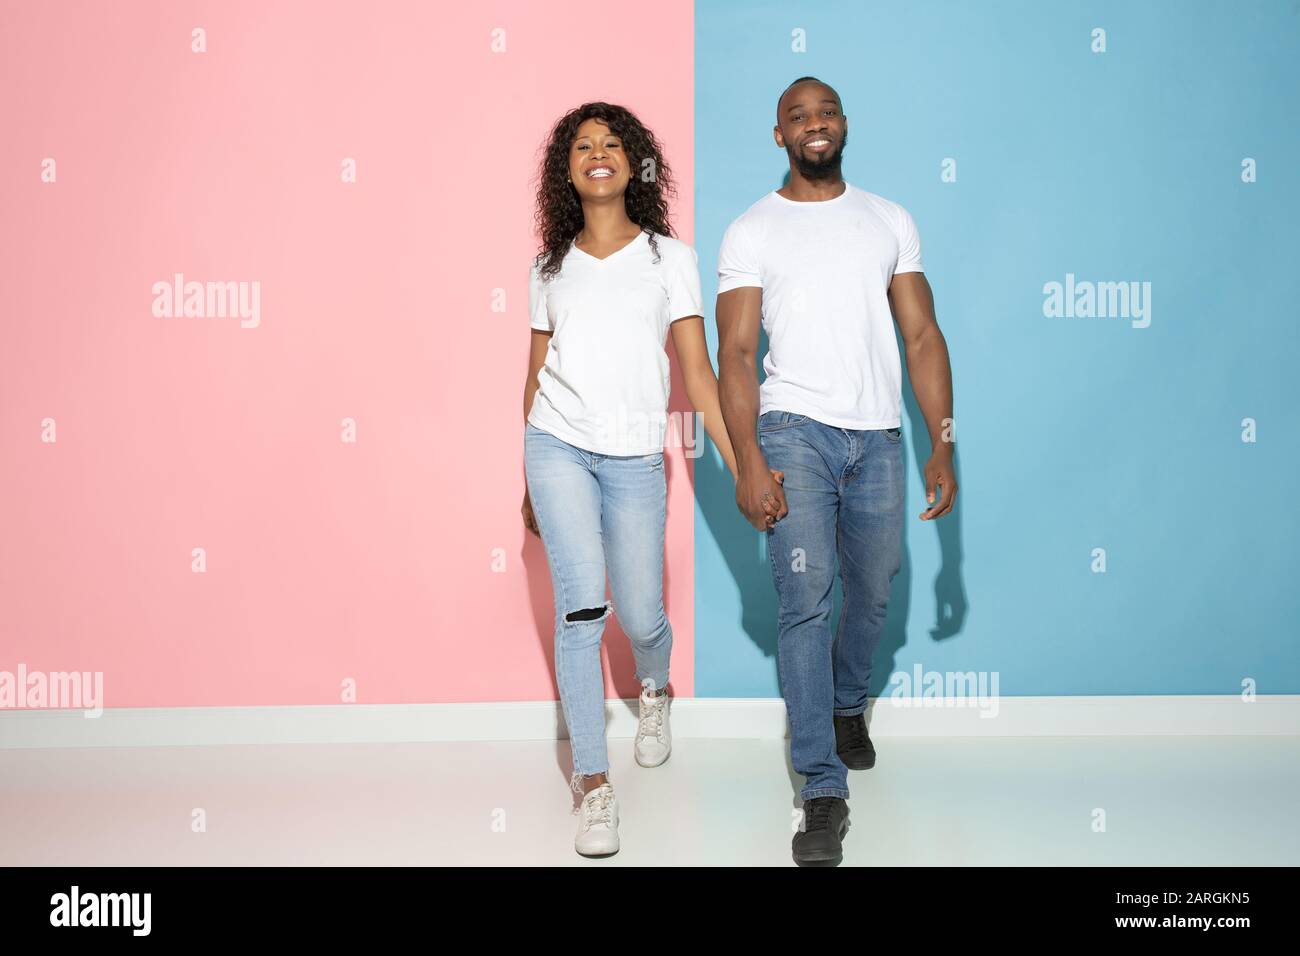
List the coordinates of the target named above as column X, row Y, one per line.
column 804, row 79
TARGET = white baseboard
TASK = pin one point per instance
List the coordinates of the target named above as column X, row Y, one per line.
column 691, row 717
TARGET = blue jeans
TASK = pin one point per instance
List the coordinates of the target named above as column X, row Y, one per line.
column 844, row 490
column 598, row 512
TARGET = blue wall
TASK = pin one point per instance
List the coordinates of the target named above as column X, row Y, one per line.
column 1073, row 434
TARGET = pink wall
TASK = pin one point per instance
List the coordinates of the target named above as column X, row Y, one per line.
column 325, row 560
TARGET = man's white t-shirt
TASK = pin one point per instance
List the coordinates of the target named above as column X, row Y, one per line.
column 824, row 268
column 605, row 384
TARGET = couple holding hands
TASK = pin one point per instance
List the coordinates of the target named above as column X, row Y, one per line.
column 825, row 268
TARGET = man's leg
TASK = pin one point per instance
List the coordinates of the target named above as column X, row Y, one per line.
column 870, row 554
column 801, row 547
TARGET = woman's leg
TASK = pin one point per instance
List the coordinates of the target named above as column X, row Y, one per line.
column 567, row 504
column 634, row 496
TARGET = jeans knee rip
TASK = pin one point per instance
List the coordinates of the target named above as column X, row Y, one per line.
column 588, row 615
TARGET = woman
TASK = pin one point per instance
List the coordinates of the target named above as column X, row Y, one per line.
column 609, row 284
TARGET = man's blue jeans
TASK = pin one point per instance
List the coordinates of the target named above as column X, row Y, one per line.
column 844, row 490
column 597, row 512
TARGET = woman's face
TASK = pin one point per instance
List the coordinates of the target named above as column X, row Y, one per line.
column 597, row 164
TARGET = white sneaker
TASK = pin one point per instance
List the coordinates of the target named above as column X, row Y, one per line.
column 598, row 823
column 654, row 739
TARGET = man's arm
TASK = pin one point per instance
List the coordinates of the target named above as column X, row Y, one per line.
column 931, row 375
column 758, row 494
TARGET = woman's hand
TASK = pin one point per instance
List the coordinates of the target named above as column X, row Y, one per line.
column 530, row 520
column 773, row 512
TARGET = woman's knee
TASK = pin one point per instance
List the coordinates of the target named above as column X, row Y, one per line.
column 644, row 627
column 582, row 626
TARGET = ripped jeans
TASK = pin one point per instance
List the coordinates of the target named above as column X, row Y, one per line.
column 599, row 512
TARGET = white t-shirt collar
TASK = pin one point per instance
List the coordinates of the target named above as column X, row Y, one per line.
column 815, row 202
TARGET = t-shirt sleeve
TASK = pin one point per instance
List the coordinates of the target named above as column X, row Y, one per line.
column 684, row 285
column 909, row 244
column 540, row 318
column 737, row 265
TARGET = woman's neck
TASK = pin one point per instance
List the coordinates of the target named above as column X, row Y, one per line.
column 605, row 223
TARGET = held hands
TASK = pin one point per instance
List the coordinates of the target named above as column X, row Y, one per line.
column 761, row 499
column 762, row 502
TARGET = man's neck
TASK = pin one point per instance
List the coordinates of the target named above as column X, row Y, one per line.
column 800, row 189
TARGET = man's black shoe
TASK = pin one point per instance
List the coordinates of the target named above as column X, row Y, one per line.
column 852, row 743
column 821, row 840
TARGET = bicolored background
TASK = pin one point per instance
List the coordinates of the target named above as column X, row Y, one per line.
column 398, row 302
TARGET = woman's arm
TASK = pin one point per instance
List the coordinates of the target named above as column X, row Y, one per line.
column 541, row 341
column 701, row 383
column 536, row 359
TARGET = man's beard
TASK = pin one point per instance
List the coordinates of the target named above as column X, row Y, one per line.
column 819, row 169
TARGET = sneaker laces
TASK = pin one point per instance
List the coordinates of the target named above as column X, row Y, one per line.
column 856, row 733
column 817, row 814
column 597, row 806
column 651, row 720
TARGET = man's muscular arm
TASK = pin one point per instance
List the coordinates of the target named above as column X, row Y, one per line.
column 931, row 375
column 758, row 492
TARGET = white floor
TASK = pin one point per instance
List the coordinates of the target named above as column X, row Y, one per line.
column 930, row 801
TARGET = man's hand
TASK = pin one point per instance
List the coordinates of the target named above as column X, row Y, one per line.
column 760, row 497
column 939, row 470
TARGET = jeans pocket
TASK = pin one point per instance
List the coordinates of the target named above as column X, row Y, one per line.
column 776, row 420
column 893, row 434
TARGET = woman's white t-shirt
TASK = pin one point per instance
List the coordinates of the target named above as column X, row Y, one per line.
column 605, row 383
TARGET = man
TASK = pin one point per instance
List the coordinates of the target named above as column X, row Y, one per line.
column 820, row 263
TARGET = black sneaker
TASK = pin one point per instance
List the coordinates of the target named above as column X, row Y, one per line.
column 852, row 743
column 820, row 841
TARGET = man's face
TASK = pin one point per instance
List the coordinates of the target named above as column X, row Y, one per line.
column 812, row 130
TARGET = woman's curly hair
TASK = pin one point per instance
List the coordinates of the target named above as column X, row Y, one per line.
column 558, row 217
